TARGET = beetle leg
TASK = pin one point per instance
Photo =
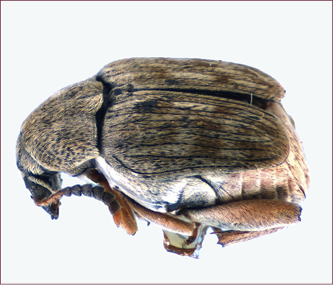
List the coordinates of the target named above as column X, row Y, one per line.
column 49, row 200
column 231, row 237
column 185, row 245
column 180, row 237
column 121, row 211
column 163, row 220
column 97, row 192
column 247, row 215
column 189, row 231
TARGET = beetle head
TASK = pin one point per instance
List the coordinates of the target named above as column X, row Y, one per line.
column 40, row 182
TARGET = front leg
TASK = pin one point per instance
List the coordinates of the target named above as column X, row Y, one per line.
column 121, row 211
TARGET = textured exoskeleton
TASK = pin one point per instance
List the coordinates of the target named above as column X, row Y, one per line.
column 185, row 143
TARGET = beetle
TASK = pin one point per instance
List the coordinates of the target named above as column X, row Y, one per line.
column 188, row 144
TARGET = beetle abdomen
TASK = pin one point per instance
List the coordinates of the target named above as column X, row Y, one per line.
column 288, row 181
column 271, row 183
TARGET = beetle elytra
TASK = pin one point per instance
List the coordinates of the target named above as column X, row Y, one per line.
column 187, row 144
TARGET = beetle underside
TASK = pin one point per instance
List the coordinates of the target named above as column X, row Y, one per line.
column 183, row 233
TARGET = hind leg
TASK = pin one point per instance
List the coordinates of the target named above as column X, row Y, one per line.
column 231, row 237
column 244, row 220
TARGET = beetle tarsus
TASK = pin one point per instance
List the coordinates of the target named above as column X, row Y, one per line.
column 49, row 200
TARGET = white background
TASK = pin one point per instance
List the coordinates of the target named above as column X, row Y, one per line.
column 48, row 45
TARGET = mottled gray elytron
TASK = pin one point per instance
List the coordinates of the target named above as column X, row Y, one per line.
column 185, row 143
